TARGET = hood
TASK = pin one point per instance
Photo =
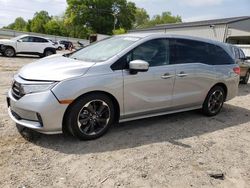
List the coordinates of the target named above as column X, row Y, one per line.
column 3, row 41
column 54, row 68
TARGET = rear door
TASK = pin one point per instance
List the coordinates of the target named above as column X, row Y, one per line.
column 39, row 44
column 193, row 73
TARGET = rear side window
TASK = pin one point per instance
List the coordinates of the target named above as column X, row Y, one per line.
column 191, row 51
column 242, row 55
column 39, row 40
column 218, row 56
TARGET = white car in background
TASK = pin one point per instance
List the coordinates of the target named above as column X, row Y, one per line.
column 27, row 44
column 57, row 44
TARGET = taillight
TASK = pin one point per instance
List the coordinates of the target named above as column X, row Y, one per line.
column 237, row 70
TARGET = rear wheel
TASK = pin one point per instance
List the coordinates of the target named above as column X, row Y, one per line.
column 90, row 116
column 246, row 78
column 214, row 101
column 9, row 52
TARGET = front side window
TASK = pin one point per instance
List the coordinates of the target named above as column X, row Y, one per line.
column 105, row 49
column 27, row 39
column 155, row 52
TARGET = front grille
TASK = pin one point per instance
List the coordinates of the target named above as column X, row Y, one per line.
column 17, row 90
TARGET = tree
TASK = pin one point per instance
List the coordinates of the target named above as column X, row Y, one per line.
column 54, row 26
column 119, row 31
column 19, row 24
column 141, row 17
column 100, row 16
column 164, row 18
column 39, row 21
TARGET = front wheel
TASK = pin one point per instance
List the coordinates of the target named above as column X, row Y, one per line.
column 214, row 101
column 9, row 52
column 90, row 116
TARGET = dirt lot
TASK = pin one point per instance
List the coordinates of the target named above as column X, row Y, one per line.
column 178, row 150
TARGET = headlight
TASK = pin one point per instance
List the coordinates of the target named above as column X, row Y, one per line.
column 34, row 88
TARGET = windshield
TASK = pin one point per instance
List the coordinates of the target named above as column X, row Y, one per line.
column 105, row 49
column 18, row 37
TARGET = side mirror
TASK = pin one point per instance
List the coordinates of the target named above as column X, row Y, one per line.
column 138, row 66
column 19, row 40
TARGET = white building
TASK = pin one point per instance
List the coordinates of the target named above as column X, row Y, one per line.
column 233, row 30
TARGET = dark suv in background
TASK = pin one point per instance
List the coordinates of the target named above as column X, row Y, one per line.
column 67, row 44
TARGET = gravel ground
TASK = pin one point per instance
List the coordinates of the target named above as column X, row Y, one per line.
column 179, row 150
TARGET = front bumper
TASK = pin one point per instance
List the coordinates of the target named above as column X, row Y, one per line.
column 38, row 111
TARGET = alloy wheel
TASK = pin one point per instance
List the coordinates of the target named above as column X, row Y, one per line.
column 9, row 52
column 215, row 101
column 93, row 117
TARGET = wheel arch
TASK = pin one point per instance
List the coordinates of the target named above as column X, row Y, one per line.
column 113, row 99
column 8, row 46
column 223, row 86
column 49, row 48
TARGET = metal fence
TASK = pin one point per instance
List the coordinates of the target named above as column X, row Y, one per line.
column 7, row 33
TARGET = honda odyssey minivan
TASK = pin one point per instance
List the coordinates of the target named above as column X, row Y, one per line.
column 122, row 78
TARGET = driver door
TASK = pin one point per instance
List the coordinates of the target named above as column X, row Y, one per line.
column 25, row 44
column 151, row 91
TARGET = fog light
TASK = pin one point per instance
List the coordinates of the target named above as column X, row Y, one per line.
column 39, row 119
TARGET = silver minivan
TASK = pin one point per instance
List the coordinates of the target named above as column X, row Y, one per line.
column 122, row 78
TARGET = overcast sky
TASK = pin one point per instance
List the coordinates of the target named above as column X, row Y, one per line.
column 189, row 10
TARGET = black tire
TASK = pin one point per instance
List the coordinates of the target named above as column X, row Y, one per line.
column 246, row 78
column 48, row 53
column 90, row 123
column 60, row 48
column 9, row 52
column 214, row 101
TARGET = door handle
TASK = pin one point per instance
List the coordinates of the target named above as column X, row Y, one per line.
column 182, row 74
column 167, row 76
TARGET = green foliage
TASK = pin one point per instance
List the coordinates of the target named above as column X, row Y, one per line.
column 119, row 31
column 39, row 21
column 141, row 17
column 164, row 18
column 101, row 16
column 85, row 17
column 18, row 25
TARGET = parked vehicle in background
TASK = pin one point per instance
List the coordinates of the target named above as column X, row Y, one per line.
column 67, row 44
column 57, row 45
column 123, row 78
column 244, row 64
column 27, row 44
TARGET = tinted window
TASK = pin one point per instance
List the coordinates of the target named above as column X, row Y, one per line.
column 190, row 51
column 39, row 40
column 218, row 56
column 155, row 52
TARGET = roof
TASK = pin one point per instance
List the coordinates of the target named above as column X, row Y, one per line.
column 195, row 24
column 164, row 35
